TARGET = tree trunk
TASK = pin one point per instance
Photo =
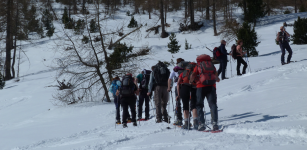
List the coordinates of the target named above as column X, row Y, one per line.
column 191, row 5
column 109, row 70
column 163, row 34
column 8, row 41
column 208, row 10
column 244, row 8
column 165, row 12
column 214, row 19
column 15, row 41
column 295, row 6
column 185, row 9
column 83, row 7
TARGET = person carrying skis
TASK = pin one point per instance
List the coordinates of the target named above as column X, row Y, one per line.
column 240, row 60
column 206, row 88
column 113, row 88
column 187, row 92
column 173, row 78
column 223, row 59
column 143, row 80
column 283, row 39
column 160, row 77
column 127, row 93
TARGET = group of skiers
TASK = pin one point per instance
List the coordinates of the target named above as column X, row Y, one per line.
column 193, row 83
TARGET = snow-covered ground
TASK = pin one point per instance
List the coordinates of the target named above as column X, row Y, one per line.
column 265, row 109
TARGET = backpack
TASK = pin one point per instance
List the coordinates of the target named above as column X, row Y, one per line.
column 206, row 69
column 127, row 88
column 234, row 52
column 282, row 37
column 114, row 87
column 182, row 65
column 187, row 74
column 216, row 53
column 145, row 81
column 161, row 74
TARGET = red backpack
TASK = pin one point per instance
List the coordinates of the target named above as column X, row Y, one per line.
column 206, row 69
column 187, row 74
column 216, row 53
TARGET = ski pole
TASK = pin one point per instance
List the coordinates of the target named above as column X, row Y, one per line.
column 168, row 116
column 230, row 66
column 173, row 104
column 116, row 108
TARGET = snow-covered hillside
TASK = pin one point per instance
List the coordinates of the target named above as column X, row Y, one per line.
column 264, row 109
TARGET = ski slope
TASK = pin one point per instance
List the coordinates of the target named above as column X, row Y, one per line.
column 264, row 109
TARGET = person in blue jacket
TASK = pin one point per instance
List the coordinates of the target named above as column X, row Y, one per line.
column 223, row 59
column 115, row 85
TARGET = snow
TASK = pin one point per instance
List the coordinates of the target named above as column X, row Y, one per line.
column 265, row 109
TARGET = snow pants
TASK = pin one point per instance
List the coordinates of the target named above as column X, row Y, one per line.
column 222, row 69
column 161, row 100
column 178, row 106
column 209, row 93
column 239, row 62
column 128, row 102
column 285, row 46
column 143, row 97
column 188, row 93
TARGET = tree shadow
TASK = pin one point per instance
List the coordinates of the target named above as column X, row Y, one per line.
column 250, row 114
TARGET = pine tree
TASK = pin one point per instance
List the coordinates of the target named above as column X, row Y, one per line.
column 255, row 10
column 250, row 39
column 33, row 23
column 50, row 31
column 47, row 19
column 80, row 25
column 133, row 23
column 68, row 22
column 93, row 26
column 2, row 83
column 302, row 8
column 65, row 18
column 187, row 45
column 85, row 39
column 300, row 31
column 173, row 46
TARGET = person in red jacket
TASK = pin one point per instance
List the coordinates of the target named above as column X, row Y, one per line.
column 206, row 88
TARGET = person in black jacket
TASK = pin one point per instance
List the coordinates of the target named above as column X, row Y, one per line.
column 223, row 60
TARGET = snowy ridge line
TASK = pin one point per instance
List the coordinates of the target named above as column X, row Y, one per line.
column 249, row 88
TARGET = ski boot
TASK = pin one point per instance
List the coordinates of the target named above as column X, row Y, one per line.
column 118, row 122
column 201, row 127
column 195, row 124
column 158, row 121
column 186, row 125
column 129, row 120
column 135, row 124
column 215, row 128
column 125, row 125
column 178, row 122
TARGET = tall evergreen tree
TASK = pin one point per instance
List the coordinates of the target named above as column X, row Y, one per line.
column 255, row 10
column 33, row 23
column 300, row 31
column 250, row 39
column 173, row 46
column 93, row 26
column 47, row 19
